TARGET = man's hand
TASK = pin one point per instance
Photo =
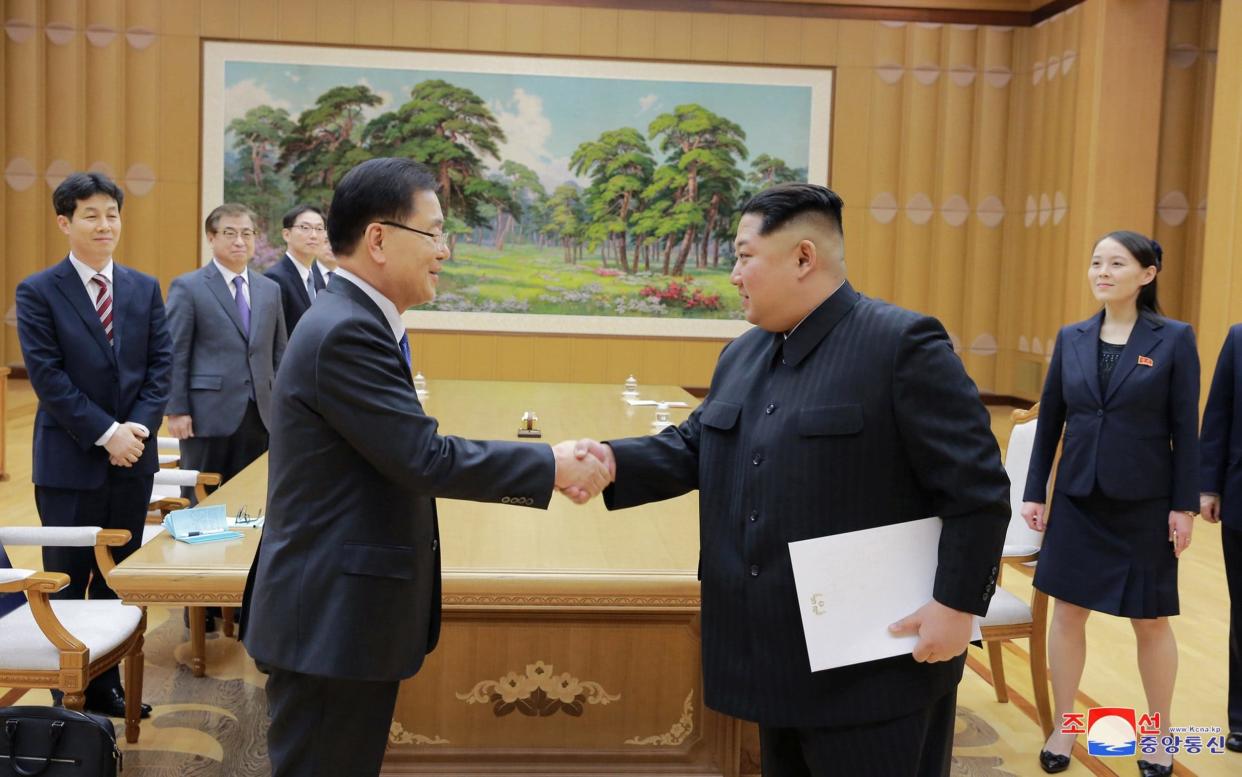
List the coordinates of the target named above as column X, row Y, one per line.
column 124, row 446
column 588, row 447
column 579, row 478
column 1209, row 507
column 1033, row 514
column 181, row 426
column 943, row 632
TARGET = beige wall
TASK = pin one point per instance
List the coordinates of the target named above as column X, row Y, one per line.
column 943, row 136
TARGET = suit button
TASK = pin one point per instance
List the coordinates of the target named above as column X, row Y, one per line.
column 995, row 570
column 985, row 596
column 1099, row 413
column 754, row 570
column 758, row 459
column 246, row 381
column 435, row 545
column 754, row 516
column 770, row 409
column 504, row 500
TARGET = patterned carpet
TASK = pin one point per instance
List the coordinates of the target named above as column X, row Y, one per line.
column 215, row 726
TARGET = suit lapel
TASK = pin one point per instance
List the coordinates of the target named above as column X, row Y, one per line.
column 215, row 282
column 291, row 270
column 1143, row 340
column 342, row 286
column 320, row 283
column 122, row 297
column 70, row 285
column 1087, row 349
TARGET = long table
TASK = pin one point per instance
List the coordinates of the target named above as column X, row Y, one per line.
column 570, row 640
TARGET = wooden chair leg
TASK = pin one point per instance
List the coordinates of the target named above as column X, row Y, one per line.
column 133, row 689
column 74, row 701
column 998, row 670
column 230, row 615
column 1039, row 660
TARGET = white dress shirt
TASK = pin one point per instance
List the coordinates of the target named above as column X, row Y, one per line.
column 229, row 275
column 303, row 270
column 386, row 306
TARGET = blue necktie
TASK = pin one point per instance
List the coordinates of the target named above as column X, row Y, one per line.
column 405, row 349
column 310, row 284
column 243, row 307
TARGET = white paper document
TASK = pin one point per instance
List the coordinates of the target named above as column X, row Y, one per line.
column 852, row 586
column 654, row 402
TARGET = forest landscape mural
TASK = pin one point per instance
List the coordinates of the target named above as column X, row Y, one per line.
column 593, row 190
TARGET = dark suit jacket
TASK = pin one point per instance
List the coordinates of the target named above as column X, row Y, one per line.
column 1137, row 440
column 347, row 581
column 293, row 296
column 83, row 383
column 216, row 368
column 1220, row 444
column 864, row 417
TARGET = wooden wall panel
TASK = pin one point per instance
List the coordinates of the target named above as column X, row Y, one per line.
column 951, row 113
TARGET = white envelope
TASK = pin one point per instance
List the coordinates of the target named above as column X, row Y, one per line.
column 852, row 586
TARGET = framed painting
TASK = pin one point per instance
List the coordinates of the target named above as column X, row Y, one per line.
column 582, row 196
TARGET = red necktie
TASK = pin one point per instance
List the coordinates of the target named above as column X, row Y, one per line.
column 103, row 305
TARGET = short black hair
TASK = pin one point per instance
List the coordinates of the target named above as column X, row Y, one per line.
column 785, row 202
column 297, row 210
column 380, row 189
column 228, row 209
column 83, row 186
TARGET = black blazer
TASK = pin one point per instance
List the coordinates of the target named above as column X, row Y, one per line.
column 863, row 418
column 293, row 292
column 83, row 383
column 1220, row 444
column 346, row 582
column 1137, row 440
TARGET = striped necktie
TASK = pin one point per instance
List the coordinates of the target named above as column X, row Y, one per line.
column 103, row 305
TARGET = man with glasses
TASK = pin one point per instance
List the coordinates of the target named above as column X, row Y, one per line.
column 351, row 535
column 228, row 332
column 298, row 272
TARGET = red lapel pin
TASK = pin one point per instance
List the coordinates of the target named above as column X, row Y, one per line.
column 1146, row 362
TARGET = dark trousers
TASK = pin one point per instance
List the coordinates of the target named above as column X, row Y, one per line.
column 1231, row 541
column 226, row 455
column 916, row 745
column 120, row 503
column 327, row 727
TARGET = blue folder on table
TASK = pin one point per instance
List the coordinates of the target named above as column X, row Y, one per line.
column 200, row 524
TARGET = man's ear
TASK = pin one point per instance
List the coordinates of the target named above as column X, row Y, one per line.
column 63, row 223
column 808, row 257
column 373, row 239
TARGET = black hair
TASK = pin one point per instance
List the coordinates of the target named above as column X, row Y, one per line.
column 228, row 209
column 380, row 189
column 297, row 210
column 785, row 202
column 1147, row 253
column 83, row 186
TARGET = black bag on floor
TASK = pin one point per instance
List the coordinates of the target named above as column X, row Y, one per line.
column 56, row 742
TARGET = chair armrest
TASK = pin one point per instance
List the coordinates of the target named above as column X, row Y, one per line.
column 176, row 477
column 1019, row 559
column 109, row 538
column 51, row 536
column 29, row 581
column 44, row 583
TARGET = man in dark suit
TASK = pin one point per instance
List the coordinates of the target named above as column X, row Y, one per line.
column 97, row 350
column 298, row 272
column 836, row 413
column 228, row 332
column 1220, row 449
column 344, row 599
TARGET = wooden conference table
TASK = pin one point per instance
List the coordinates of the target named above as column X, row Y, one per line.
column 570, row 636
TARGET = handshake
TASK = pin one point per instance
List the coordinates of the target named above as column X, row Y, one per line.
column 583, row 468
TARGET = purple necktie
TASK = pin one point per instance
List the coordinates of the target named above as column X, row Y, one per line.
column 243, row 307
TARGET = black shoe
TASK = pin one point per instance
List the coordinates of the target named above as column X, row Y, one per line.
column 1234, row 741
column 1147, row 769
column 112, row 703
column 1052, row 763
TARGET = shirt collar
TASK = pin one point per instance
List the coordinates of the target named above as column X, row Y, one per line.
column 386, row 306
column 302, row 269
column 229, row 275
column 88, row 273
column 803, row 338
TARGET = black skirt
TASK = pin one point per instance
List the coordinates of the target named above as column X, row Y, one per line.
column 1109, row 555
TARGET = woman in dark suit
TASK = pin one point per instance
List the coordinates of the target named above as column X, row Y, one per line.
column 1125, row 384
